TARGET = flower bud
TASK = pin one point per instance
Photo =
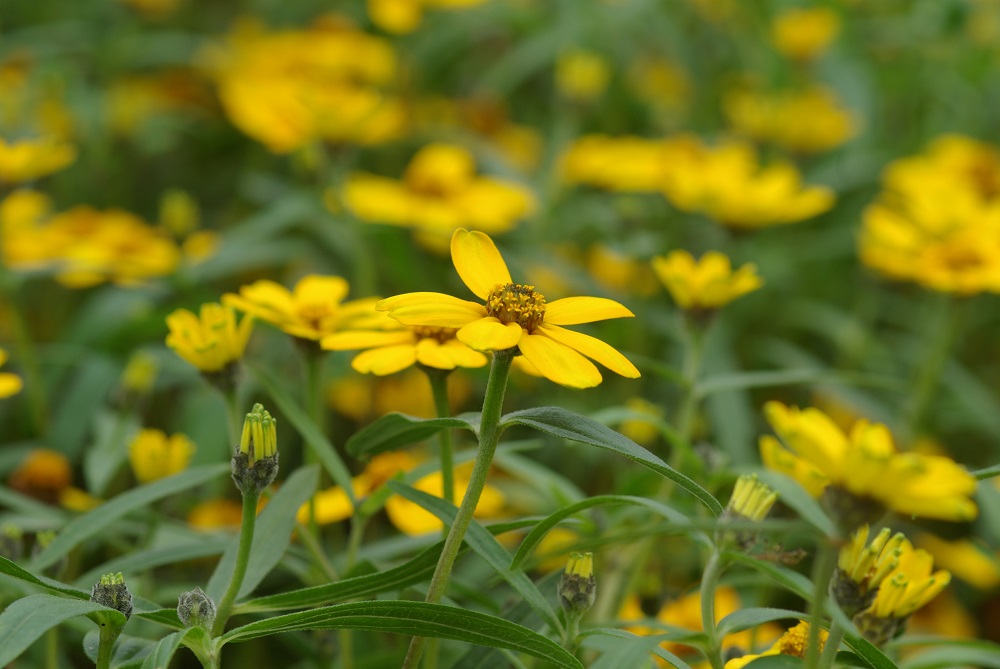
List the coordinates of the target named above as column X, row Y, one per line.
column 112, row 592
column 196, row 609
column 751, row 501
column 578, row 587
column 255, row 464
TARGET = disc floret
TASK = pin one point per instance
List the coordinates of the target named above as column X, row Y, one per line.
column 516, row 303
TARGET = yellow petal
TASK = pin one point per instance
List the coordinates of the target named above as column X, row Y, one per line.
column 10, row 384
column 573, row 310
column 558, row 362
column 478, row 262
column 462, row 355
column 489, row 334
column 360, row 339
column 315, row 288
column 431, row 353
column 385, row 360
column 593, row 348
column 439, row 314
column 414, row 299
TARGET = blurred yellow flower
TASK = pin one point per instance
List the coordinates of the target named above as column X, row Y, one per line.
column 289, row 88
column 708, row 283
column 30, row 159
column 216, row 514
column 333, row 505
column 627, row 164
column 439, row 192
column 153, row 455
column 10, row 384
column 212, row 340
column 43, row 474
column 642, row 431
column 662, row 83
column 619, row 271
column 582, row 75
column 22, row 238
column 412, row 519
column 404, row 16
column 77, row 499
column 803, row 121
column 312, row 310
column 804, row 34
column 794, row 642
column 946, row 616
column 515, row 315
column 861, row 473
column 965, row 559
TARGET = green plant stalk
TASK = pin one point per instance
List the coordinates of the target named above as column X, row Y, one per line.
column 945, row 328
column 25, row 346
column 572, row 631
column 439, row 387
column 52, row 648
column 225, row 607
column 709, row 583
column 826, row 562
column 106, row 645
column 489, row 436
column 358, row 523
column 233, row 418
column 691, row 368
column 832, row 645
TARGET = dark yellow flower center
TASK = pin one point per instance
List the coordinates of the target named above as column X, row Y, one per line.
column 432, row 332
column 516, row 303
column 314, row 313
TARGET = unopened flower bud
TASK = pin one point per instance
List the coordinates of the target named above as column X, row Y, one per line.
column 578, row 587
column 255, row 464
column 112, row 592
column 751, row 501
column 196, row 609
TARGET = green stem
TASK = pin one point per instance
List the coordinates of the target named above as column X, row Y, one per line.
column 826, row 562
column 686, row 412
column 572, row 631
column 489, row 436
column 52, row 648
column 832, row 645
column 242, row 559
column 709, row 582
column 106, row 646
column 27, row 354
column 316, row 551
column 439, row 387
column 944, row 328
column 233, row 419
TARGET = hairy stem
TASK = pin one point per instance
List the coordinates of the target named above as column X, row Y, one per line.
column 439, row 386
column 242, row 559
column 709, row 583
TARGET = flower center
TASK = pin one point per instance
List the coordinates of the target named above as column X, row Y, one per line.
column 313, row 313
column 432, row 332
column 516, row 303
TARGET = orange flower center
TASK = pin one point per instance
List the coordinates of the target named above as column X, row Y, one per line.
column 432, row 332
column 516, row 303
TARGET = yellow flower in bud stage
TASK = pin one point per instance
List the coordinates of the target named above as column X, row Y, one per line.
column 259, row 440
column 804, row 34
column 30, row 159
column 412, row 519
column 153, row 455
column 806, row 121
column 910, row 585
column 582, row 75
column 861, row 568
column 625, row 164
column 578, row 587
column 860, row 475
column 401, row 17
column 728, row 184
column 439, row 192
column 313, row 309
column 708, row 283
column 211, row 340
column 966, row 559
column 515, row 315
column 794, row 642
column 10, row 384
column 751, row 499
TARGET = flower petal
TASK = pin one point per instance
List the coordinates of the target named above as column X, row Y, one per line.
column 385, row 360
column 462, row 355
column 431, row 353
column 558, row 362
column 10, row 384
column 573, row 310
column 593, row 348
column 478, row 262
column 489, row 334
column 361, row 339
column 411, row 299
column 435, row 309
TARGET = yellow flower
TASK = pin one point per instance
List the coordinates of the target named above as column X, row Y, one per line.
column 709, row 283
column 638, row 429
column 626, row 164
column 10, row 384
column 794, row 642
column 212, row 340
column 965, row 559
column 806, row 121
column 910, row 585
column 23, row 243
column 944, row 616
column 412, row 519
column 76, row 499
column 404, row 16
column 30, row 159
column 862, row 471
column 439, row 192
column 312, row 310
column 728, row 184
column 862, row 567
column 804, row 34
column 582, row 75
column 333, row 505
column 153, row 455
column 662, row 83
column 43, row 474
column 751, row 499
column 618, row 271
column 216, row 514
column 515, row 315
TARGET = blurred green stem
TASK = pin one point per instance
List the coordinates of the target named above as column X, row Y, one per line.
column 832, row 645
column 489, row 436
column 825, row 563
column 694, row 339
column 709, row 583
column 52, row 648
column 233, row 419
column 439, row 386
column 225, row 607
column 944, row 327
column 27, row 354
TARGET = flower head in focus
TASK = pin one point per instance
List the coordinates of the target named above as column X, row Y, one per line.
column 10, row 384
column 213, row 340
column 516, row 315
column 794, row 642
column 706, row 284
column 804, row 34
column 255, row 463
column 153, row 455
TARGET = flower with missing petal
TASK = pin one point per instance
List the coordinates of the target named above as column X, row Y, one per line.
column 514, row 315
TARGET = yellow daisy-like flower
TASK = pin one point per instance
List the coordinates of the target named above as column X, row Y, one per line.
column 626, row 164
column 10, row 384
column 30, row 159
column 862, row 566
column 804, row 34
column 515, row 315
column 210, row 341
column 860, row 475
column 794, row 642
column 411, row 518
column 965, row 559
column 708, row 283
column 312, row 310
column 153, row 455
column 216, row 514
column 807, row 121
column 333, row 505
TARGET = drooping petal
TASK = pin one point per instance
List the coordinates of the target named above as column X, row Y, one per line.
column 574, row 310
column 489, row 334
column 478, row 262
column 385, row 360
column 361, row 339
column 593, row 348
column 558, row 362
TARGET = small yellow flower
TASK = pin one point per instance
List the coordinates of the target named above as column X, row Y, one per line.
column 582, row 75
column 333, row 505
column 619, row 271
column 10, row 384
column 862, row 470
column 216, row 514
column 705, row 284
column 578, row 587
column 639, row 429
column 76, row 499
column 312, row 310
column 625, row 164
column 411, row 518
column 515, row 315
column 30, row 159
column 794, row 642
column 153, row 455
column 43, row 474
column 862, row 567
column 401, row 17
column 806, row 121
column 751, row 499
column 910, row 585
column 212, row 340
column 804, row 34
column 966, row 559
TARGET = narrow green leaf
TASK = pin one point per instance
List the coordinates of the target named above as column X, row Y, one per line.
column 792, row 580
column 958, row 653
column 160, row 655
column 93, row 522
column 867, row 651
column 795, row 496
column 272, row 534
column 777, row 662
column 304, row 425
column 787, row 377
column 744, row 619
column 11, row 569
column 165, row 617
column 568, row 425
column 416, row 619
column 395, row 430
column 27, row 619
column 488, row 548
column 15, row 501
column 651, row 644
column 128, row 653
column 987, row 473
column 140, row 561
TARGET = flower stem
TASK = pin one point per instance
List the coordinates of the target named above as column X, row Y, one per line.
column 106, row 645
column 709, row 582
column 233, row 418
column 242, row 559
column 693, row 340
column 439, row 387
column 489, row 436
column 826, row 562
column 944, row 327
column 832, row 645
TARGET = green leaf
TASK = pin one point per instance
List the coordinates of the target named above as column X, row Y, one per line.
column 415, row 619
column 165, row 617
column 648, row 644
column 395, row 430
column 313, row 436
column 108, row 450
column 15, row 501
column 987, row 473
column 488, row 548
column 11, row 569
column 786, row 377
column 867, row 651
column 795, row 496
column 568, row 425
column 91, row 523
column 744, row 619
column 140, row 561
column 542, row 528
column 160, row 655
column 777, row 662
column 129, row 651
column 272, row 533
column 792, row 580
column 27, row 619
column 953, row 652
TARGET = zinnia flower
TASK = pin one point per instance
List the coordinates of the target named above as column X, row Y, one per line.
column 708, row 283
column 515, row 315
column 10, row 384
column 212, row 340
